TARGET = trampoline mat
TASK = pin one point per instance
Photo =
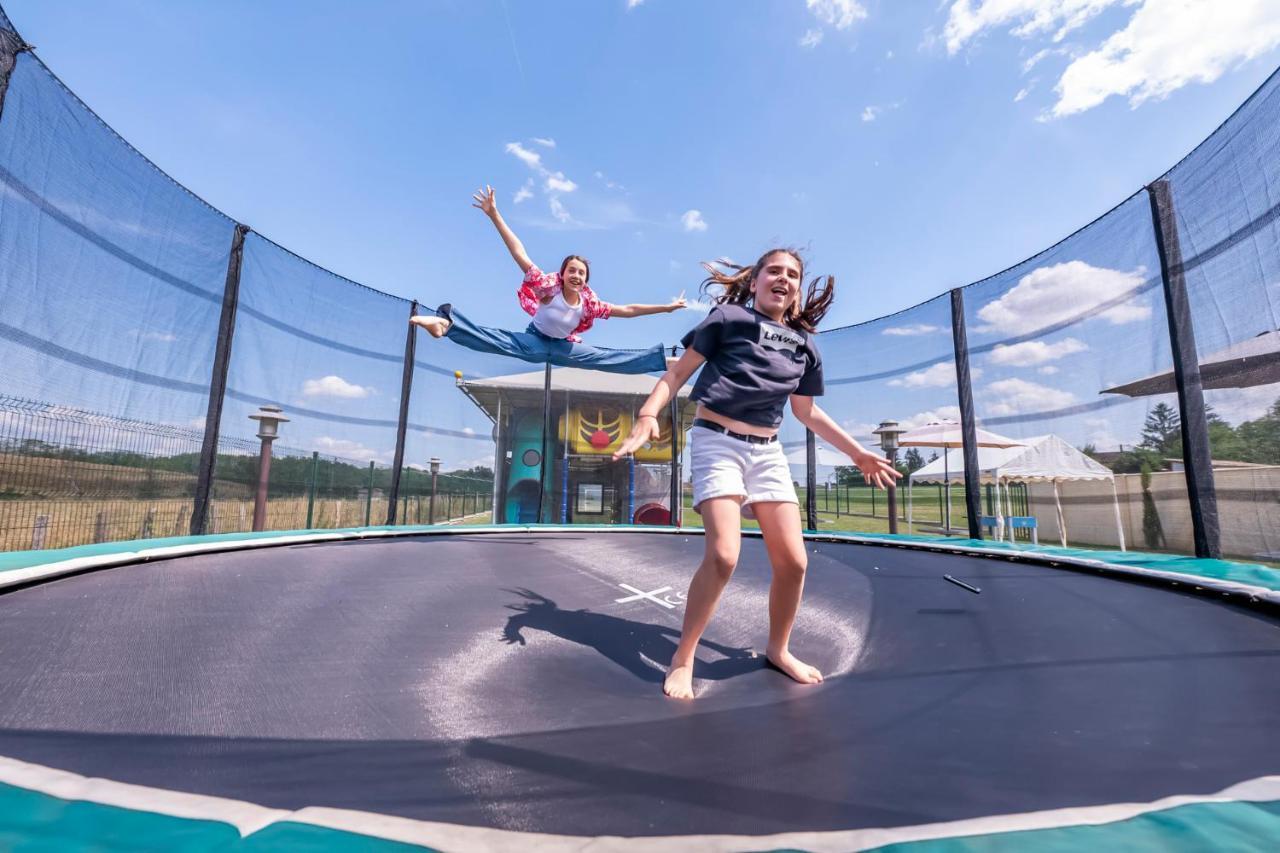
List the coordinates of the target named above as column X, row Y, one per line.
column 514, row 681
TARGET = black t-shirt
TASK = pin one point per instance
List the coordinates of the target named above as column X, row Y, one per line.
column 753, row 365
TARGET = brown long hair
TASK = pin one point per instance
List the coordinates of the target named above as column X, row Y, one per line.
column 735, row 281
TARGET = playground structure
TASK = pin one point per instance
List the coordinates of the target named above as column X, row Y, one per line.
column 592, row 413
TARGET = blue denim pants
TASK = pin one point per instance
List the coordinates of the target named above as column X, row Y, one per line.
column 532, row 345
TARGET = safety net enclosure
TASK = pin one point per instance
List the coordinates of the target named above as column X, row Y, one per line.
column 281, row 570
column 1147, row 340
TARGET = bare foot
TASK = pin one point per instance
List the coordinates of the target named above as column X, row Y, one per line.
column 679, row 683
column 437, row 327
column 794, row 667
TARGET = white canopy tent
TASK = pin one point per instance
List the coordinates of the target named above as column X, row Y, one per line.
column 1044, row 459
column 949, row 434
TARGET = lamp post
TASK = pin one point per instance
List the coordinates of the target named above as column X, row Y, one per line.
column 269, row 419
column 889, row 432
column 435, row 471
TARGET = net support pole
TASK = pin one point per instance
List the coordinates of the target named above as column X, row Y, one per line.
column 968, row 424
column 402, row 425
column 1196, row 459
column 810, row 479
column 676, row 497
column 218, row 383
column 11, row 44
column 546, row 434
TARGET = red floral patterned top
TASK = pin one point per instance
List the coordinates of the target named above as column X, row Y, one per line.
column 538, row 285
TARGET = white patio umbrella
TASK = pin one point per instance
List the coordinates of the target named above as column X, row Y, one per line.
column 948, row 434
column 1251, row 362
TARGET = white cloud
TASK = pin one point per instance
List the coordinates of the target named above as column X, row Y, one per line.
column 524, row 193
column 871, row 113
column 1167, row 45
column 558, row 183
column 558, row 210
column 692, row 221
column 968, row 18
column 911, row 330
column 349, row 449
column 840, row 14
column 160, row 337
column 631, row 4
column 888, row 54
column 811, row 39
column 1014, row 396
column 545, row 141
column 938, row 415
column 532, row 159
column 1236, row 405
column 334, row 386
column 1048, row 295
column 1031, row 353
column 1022, row 93
column 1048, row 370
column 939, row 375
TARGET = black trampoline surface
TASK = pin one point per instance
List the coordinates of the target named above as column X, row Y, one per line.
column 514, row 681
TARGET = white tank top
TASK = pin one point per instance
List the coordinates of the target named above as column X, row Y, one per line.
column 557, row 318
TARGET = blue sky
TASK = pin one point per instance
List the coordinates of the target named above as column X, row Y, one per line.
column 354, row 136
column 909, row 147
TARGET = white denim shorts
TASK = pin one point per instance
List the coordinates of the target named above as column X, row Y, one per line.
column 722, row 465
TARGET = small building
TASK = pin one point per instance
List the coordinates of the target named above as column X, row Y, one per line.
column 591, row 413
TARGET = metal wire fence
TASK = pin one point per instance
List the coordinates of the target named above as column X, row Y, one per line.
column 70, row 477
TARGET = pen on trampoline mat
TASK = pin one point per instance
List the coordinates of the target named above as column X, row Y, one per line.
column 961, row 583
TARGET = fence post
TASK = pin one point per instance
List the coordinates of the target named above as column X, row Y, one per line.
column 873, row 502
column 100, row 527
column 1197, row 460
column 148, row 521
column 218, row 382
column 406, row 388
column 368, row 497
column 968, row 422
column 39, row 533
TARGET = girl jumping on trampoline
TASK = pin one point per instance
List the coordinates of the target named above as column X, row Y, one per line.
column 563, row 306
column 758, row 349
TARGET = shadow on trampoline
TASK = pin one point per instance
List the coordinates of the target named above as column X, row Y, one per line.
column 641, row 648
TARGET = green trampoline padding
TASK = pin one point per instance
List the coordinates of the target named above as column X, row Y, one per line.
column 1249, row 574
column 32, row 820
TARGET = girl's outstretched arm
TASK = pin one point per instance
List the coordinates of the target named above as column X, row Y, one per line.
column 646, row 425
column 875, row 468
column 486, row 203
column 641, row 310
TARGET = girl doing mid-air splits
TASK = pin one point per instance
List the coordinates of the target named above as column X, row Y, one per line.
column 758, row 349
column 563, row 307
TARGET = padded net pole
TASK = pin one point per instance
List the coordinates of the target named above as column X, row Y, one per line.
column 546, row 434
column 968, row 426
column 674, row 407
column 1196, row 459
column 406, row 387
column 218, row 382
column 810, row 479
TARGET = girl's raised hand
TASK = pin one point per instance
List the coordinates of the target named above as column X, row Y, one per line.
column 678, row 303
column 645, row 429
column 485, row 201
column 875, row 469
